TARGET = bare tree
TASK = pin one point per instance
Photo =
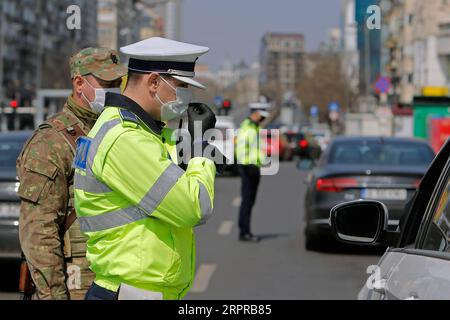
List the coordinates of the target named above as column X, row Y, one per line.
column 324, row 83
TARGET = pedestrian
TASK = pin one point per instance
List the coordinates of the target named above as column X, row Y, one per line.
column 50, row 237
column 135, row 204
column 250, row 157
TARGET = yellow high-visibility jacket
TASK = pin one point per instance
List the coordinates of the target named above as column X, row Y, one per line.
column 136, row 206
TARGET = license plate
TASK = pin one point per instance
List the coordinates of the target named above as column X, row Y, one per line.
column 384, row 194
column 9, row 210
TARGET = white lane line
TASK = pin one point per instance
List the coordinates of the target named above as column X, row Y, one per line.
column 225, row 228
column 203, row 277
column 236, row 202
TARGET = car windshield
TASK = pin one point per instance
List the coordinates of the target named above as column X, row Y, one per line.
column 381, row 153
column 9, row 151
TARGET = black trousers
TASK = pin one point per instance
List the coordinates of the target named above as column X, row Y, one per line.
column 96, row 292
column 250, row 177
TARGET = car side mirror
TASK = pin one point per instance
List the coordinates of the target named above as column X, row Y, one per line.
column 305, row 164
column 360, row 222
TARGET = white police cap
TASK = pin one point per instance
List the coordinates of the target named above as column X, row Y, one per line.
column 165, row 56
column 263, row 108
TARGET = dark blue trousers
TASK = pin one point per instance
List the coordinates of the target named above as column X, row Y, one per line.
column 96, row 292
column 250, row 176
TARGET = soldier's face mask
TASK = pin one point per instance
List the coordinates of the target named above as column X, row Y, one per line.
column 176, row 108
column 98, row 104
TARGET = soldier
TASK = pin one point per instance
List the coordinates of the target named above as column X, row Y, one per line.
column 50, row 236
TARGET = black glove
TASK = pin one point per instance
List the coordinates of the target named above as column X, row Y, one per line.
column 200, row 112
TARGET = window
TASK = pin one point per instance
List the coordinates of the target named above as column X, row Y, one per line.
column 381, row 153
column 438, row 233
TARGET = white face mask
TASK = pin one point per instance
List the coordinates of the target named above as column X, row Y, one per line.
column 175, row 109
column 98, row 105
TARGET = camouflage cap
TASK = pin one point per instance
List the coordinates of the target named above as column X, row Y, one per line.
column 103, row 63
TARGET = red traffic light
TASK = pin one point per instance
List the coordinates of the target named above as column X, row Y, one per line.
column 226, row 104
column 14, row 104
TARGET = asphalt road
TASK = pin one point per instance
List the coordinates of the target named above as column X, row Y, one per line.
column 277, row 268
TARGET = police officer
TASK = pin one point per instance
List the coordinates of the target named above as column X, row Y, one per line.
column 50, row 237
column 135, row 204
column 250, row 156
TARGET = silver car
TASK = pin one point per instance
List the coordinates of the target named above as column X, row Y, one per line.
column 11, row 145
column 416, row 266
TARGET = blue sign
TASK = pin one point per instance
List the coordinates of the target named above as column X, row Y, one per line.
column 218, row 100
column 383, row 85
column 314, row 111
column 333, row 107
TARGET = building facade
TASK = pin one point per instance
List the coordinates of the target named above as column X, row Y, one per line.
column 416, row 52
column 349, row 43
column 36, row 43
column 369, row 47
column 282, row 58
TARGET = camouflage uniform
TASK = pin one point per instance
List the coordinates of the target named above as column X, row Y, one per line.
column 58, row 262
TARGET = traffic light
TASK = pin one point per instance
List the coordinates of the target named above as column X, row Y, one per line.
column 226, row 104
column 14, row 104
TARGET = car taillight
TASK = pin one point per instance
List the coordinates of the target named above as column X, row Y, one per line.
column 417, row 183
column 303, row 144
column 335, row 184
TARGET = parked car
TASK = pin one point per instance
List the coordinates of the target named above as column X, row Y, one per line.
column 11, row 145
column 301, row 145
column 417, row 262
column 352, row 168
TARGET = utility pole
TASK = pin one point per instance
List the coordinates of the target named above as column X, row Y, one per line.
column 367, row 59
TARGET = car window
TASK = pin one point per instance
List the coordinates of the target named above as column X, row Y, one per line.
column 381, row 153
column 9, row 151
column 438, row 234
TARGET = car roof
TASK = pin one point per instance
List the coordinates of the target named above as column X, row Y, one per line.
column 376, row 139
column 15, row 135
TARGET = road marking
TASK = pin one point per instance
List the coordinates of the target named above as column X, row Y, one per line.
column 236, row 202
column 203, row 277
column 225, row 228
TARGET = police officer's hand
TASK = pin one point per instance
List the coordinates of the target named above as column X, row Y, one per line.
column 199, row 114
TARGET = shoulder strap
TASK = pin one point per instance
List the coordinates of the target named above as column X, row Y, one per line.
column 70, row 131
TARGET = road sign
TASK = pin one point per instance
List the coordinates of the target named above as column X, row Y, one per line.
column 333, row 107
column 314, row 111
column 383, row 85
column 218, row 100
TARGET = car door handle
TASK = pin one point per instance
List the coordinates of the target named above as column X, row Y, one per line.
column 379, row 286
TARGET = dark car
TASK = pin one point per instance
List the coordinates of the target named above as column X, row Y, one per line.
column 301, row 145
column 353, row 168
column 417, row 262
column 11, row 145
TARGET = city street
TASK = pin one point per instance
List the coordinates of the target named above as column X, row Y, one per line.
column 277, row 268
